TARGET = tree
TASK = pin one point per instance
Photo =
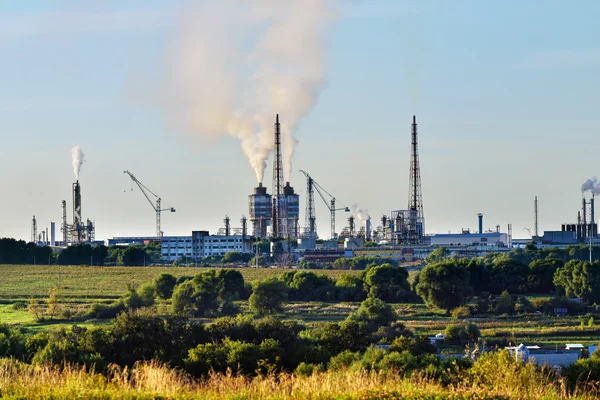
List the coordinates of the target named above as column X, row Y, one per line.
column 438, row 255
column 310, row 286
column 387, row 283
column 375, row 312
column 444, row 285
column 507, row 274
column 199, row 296
column 132, row 255
column 579, row 279
column 164, row 285
column 350, row 288
column 541, row 275
column 268, row 295
column 232, row 285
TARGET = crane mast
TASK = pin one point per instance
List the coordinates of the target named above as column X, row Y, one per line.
column 157, row 206
column 330, row 204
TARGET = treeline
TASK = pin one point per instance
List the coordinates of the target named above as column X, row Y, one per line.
column 495, row 284
column 20, row 252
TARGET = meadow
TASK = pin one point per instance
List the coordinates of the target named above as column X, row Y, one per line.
column 80, row 286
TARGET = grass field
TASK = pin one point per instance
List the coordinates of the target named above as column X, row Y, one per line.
column 86, row 284
column 80, row 286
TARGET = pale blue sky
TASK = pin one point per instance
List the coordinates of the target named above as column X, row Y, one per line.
column 506, row 95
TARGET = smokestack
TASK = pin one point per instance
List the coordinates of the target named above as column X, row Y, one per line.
column 584, row 212
column 52, row 234
column 77, row 220
column 592, row 216
column 368, row 229
column 480, row 216
column 227, row 225
column 535, row 217
column 244, row 227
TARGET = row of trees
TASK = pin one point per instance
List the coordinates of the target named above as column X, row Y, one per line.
column 448, row 284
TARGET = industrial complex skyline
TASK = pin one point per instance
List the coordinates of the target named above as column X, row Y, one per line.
column 507, row 111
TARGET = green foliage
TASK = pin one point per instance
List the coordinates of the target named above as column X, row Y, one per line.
column 541, row 275
column 236, row 257
column 199, row 296
column 235, row 355
column 133, row 255
column 83, row 254
column 164, row 285
column 267, row 296
column 579, row 279
column 350, row 288
column 387, row 283
column 19, row 252
column 308, row 286
column 438, row 255
column 461, row 312
column 134, row 299
column 444, row 285
column 262, row 261
column 467, row 331
column 375, row 312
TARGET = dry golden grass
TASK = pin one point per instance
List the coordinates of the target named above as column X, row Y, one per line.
column 152, row 380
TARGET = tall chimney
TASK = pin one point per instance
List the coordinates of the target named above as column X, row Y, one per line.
column 584, row 212
column 480, row 215
column 592, row 216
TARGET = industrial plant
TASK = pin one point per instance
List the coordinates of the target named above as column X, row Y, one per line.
column 275, row 217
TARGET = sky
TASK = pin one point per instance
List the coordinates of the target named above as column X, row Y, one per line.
column 506, row 95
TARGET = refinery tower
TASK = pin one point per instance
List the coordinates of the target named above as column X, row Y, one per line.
column 281, row 210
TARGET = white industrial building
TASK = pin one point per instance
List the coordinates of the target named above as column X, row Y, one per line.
column 176, row 248
column 201, row 245
column 471, row 239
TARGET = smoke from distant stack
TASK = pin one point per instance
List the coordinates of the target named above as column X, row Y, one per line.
column 234, row 64
column 77, row 160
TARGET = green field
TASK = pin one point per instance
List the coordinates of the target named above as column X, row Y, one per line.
column 86, row 284
column 80, row 286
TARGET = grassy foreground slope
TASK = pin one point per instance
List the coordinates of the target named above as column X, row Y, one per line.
column 153, row 381
column 84, row 282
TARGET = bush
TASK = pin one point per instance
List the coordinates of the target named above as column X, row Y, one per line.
column 374, row 312
column 461, row 312
column 343, row 360
column 19, row 306
column 304, row 369
column 387, row 283
column 105, row 311
column 164, row 285
column 267, row 296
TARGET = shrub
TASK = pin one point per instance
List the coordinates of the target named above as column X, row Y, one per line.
column 19, row 306
column 375, row 312
column 461, row 312
column 343, row 360
column 268, row 296
column 304, row 369
column 164, row 285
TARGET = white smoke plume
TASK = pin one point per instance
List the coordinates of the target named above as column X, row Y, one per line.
column 235, row 64
column 591, row 185
column 360, row 214
column 77, row 160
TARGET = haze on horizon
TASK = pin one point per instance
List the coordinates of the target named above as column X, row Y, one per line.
column 505, row 93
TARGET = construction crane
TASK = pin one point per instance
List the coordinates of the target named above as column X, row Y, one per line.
column 330, row 204
column 157, row 206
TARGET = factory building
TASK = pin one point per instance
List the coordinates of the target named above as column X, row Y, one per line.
column 201, row 245
column 584, row 230
column 206, row 245
column 471, row 239
column 176, row 247
column 260, row 211
column 130, row 240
